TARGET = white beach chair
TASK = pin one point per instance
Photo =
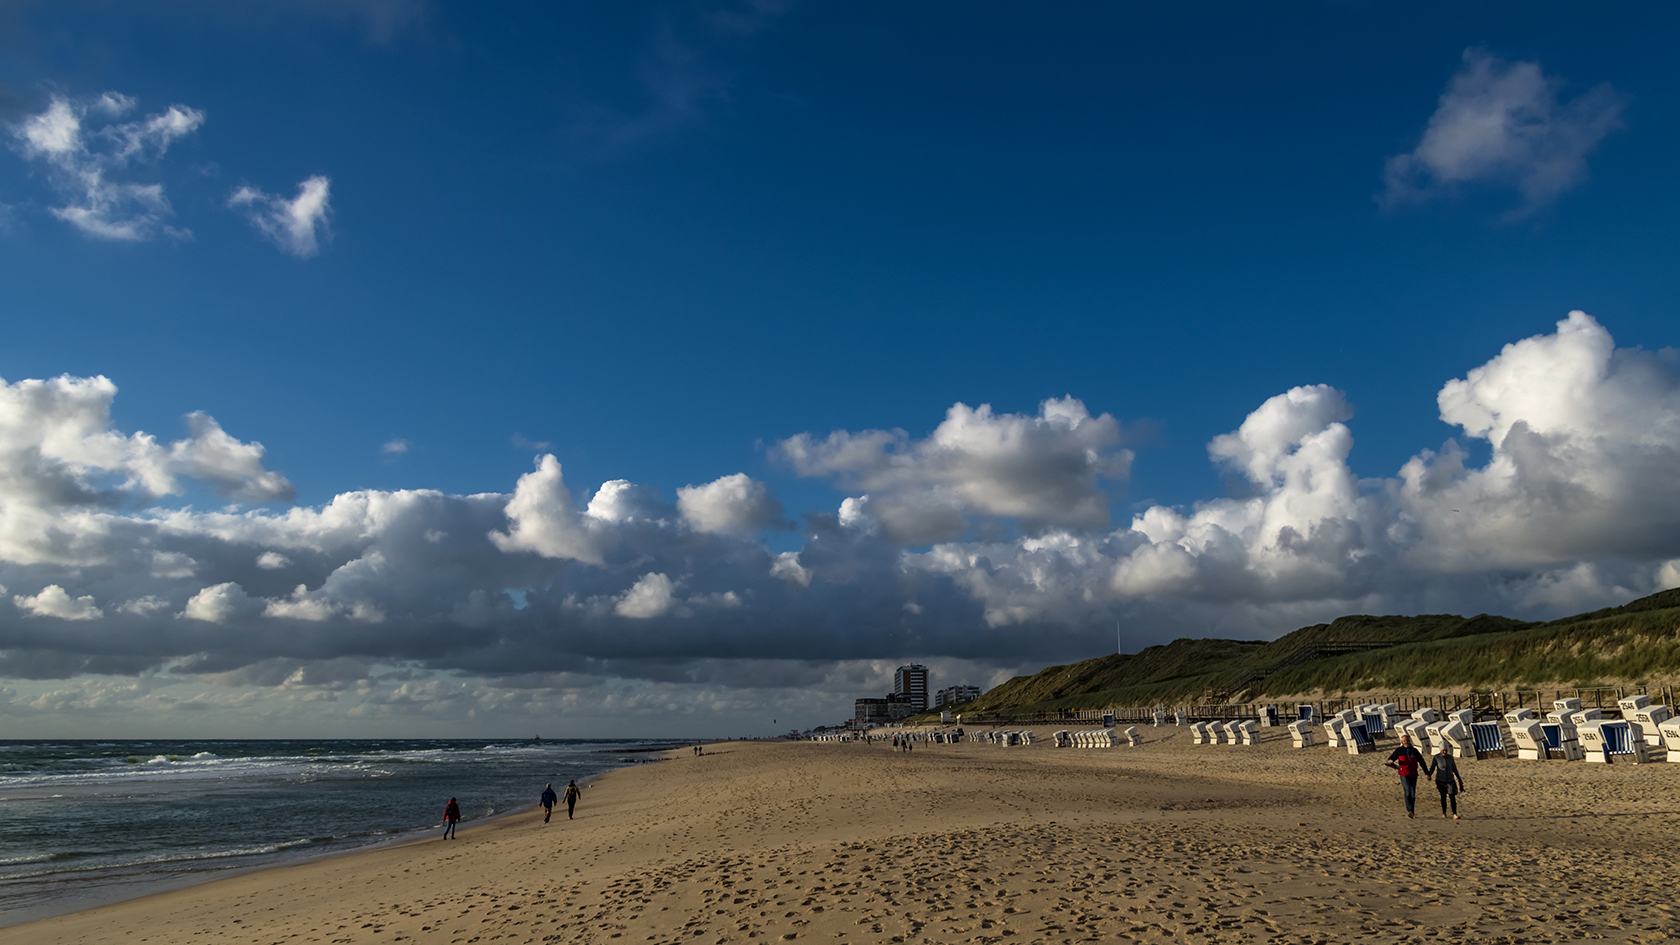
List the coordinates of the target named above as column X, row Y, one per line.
column 1519, row 715
column 1530, row 741
column 1132, row 737
column 1649, row 720
column 1426, row 715
column 1454, row 735
column 1160, row 718
column 1632, row 704
column 1462, row 716
column 1301, row 730
column 1063, row 740
column 1198, row 733
column 1567, row 705
column 1592, row 741
column 1413, row 729
column 1671, row 738
column 1390, row 714
column 1233, row 733
column 1248, row 733
column 1335, row 729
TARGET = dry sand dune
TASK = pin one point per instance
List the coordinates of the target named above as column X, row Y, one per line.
column 949, row 844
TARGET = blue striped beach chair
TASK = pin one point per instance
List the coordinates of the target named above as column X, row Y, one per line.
column 1623, row 740
column 1359, row 740
column 1489, row 740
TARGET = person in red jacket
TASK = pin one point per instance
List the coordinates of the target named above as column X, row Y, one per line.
column 451, row 817
column 1409, row 762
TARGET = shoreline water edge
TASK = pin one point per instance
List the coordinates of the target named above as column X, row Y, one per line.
column 974, row 843
column 90, row 822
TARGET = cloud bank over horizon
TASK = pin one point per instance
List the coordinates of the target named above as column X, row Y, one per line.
column 986, row 545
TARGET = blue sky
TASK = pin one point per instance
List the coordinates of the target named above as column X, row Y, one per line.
column 1243, row 252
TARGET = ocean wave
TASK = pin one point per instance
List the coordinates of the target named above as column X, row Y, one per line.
column 154, row 862
column 28, row 858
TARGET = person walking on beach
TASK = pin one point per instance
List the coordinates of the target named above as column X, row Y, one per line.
column 451, row 817
column 573, row 792
column 1408, row 761
column 1447, row 780
column 547, row 802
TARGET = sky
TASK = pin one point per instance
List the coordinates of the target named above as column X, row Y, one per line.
column 417, row 368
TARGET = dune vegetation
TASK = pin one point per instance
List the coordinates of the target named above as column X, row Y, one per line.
column 1635, row 644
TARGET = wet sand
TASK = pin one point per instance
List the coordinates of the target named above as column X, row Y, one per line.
column 1167, row 841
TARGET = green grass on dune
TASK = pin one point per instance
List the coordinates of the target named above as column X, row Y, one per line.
column 1636, row 642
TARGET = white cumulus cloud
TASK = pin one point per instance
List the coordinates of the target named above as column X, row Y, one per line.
column 735, row 504
column 544, row 519
column 218, row 603
column 55, row 601
column 653, row 595
column 62, row 463
column 1042, row 470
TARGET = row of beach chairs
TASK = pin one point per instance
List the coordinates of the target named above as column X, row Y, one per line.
column 1569, row 732
column 1245, row 732
column 1098, row 738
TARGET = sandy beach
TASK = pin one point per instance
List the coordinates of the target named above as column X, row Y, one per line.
column 1166, row 841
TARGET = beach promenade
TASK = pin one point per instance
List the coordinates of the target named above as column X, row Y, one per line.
column 1167, row 841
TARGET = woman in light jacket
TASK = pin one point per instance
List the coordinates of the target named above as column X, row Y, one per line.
column 1447, row 780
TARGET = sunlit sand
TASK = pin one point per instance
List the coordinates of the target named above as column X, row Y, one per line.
column 1167, row 841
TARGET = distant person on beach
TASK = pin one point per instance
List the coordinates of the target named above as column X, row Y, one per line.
column 1408, row 761
column 548, row 801
column 451, row 817
column 573, row 792
column 1447, row 780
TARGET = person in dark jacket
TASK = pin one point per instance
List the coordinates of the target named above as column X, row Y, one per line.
column 451, row 817
column 1408, row 761
column 573, row 792
column 1447, row 780
column 549, row 798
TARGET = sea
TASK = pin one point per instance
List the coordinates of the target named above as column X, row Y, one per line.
column 85, row 823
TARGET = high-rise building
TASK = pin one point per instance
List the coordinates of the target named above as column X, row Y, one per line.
column 912, row 681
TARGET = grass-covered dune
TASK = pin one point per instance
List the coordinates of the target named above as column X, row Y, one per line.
column 1637, row 643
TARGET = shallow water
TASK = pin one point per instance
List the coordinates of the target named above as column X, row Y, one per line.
column 83, row 823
